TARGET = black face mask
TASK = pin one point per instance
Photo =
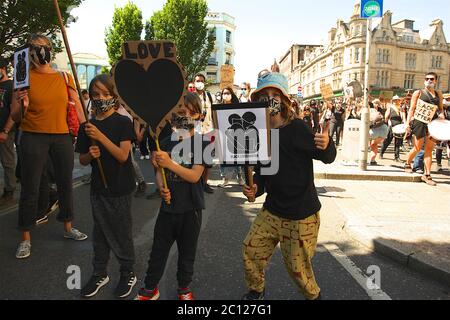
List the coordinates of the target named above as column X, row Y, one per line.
column 42, row 54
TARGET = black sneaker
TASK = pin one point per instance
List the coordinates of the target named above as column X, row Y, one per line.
column 94, row 285
column 125, row 285
column 254, row 295
column 208, row 189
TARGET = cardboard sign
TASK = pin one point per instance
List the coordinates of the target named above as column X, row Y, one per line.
column 348, row 93
column 226, row 76
column 327, row 92
column 150, row 82
column 386, row 95
column 424, row 111
column 22, row 68
column 243, row 132
column 357, row 88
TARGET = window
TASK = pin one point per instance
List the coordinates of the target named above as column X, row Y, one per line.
column 408, row 38
column 351, row 55
column 211, row 77
column 382, row 79
column 436, row 62
column 409, row 81
column 411, row 59
column 338, row 59
column 357, row 52
column 228, row 36
column 383, row 56
column 228, row 58
column 322, row 82
column 212, row 33
column 323, row 66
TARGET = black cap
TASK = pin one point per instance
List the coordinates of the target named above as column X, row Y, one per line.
column 3, row 62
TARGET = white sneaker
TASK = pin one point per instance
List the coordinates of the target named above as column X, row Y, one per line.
column 24, row 250
column 147, row 157
column 142, row 158
column 74, row 234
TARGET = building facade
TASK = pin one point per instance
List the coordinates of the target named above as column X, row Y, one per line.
column 222, row 27
column 399, row 57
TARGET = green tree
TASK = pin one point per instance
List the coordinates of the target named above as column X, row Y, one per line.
column 20, row 18
column 126, row 26
column 183, row 22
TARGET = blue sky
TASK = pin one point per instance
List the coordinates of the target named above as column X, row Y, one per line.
column 265, row 28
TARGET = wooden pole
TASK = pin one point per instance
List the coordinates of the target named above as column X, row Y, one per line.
column 163, row 172
column 77, row 83
column 250, row 180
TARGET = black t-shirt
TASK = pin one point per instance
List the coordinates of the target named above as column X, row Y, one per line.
column 315, row 114
column 6, row 89
column 291, row 193
column 119, row 177
column 338, row 114
column 185, row 196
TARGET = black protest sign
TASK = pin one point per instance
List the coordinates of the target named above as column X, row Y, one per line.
column 150, row 81
column 243, row 132
column 22, row 68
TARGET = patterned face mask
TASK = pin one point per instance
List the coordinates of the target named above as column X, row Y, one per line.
column 101, row 106
column 274, row 105
column 42, row 54
column 182, row 122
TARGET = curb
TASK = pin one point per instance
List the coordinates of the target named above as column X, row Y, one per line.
column 416, row 261
column 367, row 177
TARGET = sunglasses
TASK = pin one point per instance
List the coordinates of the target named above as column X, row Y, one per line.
column 430, row 79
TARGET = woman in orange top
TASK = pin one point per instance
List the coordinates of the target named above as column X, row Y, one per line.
column 43, row 122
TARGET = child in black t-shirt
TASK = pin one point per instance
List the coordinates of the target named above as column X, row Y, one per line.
column 180, row 215
column 111, row 205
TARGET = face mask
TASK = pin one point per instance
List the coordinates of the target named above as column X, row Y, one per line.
column 42, row 54
column 244, row 92
column 429, row 85
column 191, row 89
column 200, row 86
column 101, row 106
column 226, row 97
column 182, row 122
column 274, row 105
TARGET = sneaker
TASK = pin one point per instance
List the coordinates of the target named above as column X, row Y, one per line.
column 145, row 295
column 140, row 192
column 428, row 180
column 126, row 283
column 42, row 220
column 94, row 285
column 185, row 294
column 147, row 157
column 142, row 157
column 254, row 295
column 24, row 250
column 208, row 189
column 381, row 156
column 373, row 163
column 439, row 168
column 74, row 234
column 52, row 207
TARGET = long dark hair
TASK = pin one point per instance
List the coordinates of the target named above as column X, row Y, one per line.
column 107, row 81
column 234, row 98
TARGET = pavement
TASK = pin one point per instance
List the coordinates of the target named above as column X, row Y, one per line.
column 408, row 222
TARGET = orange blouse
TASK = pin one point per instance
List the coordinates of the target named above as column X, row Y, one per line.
column 47, row 112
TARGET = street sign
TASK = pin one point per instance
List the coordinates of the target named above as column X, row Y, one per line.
column 371, row 9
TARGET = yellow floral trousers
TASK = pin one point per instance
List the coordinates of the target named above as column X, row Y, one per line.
column 297, row 239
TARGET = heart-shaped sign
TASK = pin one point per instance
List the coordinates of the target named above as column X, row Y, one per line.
column 152, row 83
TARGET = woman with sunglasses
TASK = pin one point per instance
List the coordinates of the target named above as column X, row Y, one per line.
column 419, row 130
column 42, row 114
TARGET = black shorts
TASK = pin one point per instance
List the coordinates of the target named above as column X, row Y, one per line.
column 419, row 129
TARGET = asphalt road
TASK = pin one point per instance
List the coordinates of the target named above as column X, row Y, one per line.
column 342, row 266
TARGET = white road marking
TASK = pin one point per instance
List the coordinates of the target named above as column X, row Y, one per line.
column 356, row 273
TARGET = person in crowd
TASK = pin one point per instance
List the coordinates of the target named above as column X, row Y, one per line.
column 378, row 130
column 111, row 207
column 419, row 130
column 290, row 215
column 42, row 113
column 227, row 172
column 7, row 135
column 394, row 116
column 180, row 215
column 244, row 92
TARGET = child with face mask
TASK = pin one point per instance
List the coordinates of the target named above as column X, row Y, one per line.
column 111, row 207
column 180, row 215
column 290, row 214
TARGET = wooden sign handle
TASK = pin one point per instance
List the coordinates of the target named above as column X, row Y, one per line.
column 250, row 180
column 163, row 172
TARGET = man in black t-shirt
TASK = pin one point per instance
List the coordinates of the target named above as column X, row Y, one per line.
column 7, row 133
column 315, row 115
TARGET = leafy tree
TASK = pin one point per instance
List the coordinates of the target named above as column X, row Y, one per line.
column 126, row 26
column 183, row 22
column 20, row 18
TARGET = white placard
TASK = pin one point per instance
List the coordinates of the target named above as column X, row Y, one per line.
column 424, row 111
column 242, row 132
column 22, row 68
